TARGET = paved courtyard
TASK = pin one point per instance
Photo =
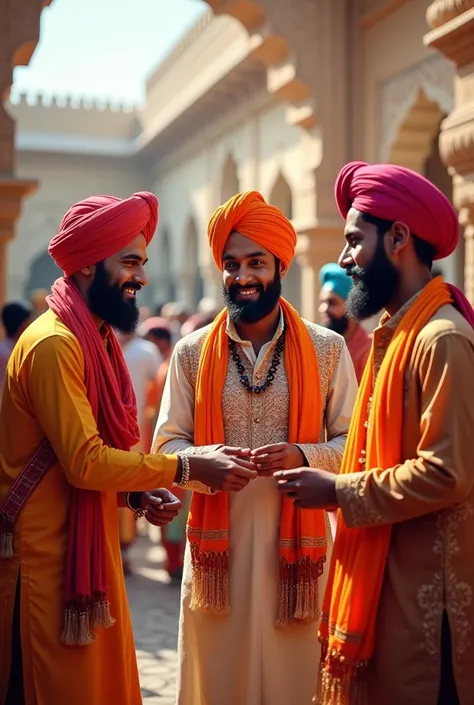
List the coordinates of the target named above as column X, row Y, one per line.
column 155, row 607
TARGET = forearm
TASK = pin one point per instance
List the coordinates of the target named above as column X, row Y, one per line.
column 98, row 467
column 401, row 493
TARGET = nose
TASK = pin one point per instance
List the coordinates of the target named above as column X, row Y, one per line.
column 140, row 276
column 244, row 276
column 345, row 260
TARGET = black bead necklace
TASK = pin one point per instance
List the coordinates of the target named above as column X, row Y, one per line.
column 276, row 359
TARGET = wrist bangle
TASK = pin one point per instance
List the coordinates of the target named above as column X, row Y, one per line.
column 185, row 470
column 137, row 511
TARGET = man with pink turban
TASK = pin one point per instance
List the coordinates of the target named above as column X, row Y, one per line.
column 67, row 423
column 262, row 382
column 398, row 616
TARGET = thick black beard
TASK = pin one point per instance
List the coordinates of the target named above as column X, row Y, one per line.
column 375, row 287
column 252, row 311
column 106, row 301
column 338, row 325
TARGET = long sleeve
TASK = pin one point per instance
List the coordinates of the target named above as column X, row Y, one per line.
column 53, row 377
column 174, row 431
column 442, row 473
column 339, row 406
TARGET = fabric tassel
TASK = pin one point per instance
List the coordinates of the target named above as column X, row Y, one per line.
column 101, row 616
column 6, row 538
column 340, row 682
column 210, row 585
column 77, row 627
column 298, row 591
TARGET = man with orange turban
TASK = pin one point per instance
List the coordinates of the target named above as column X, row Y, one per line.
column 263, row 383
column 67, row 423
column 398, row 617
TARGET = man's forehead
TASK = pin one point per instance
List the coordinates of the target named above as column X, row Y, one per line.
column 136, row 247
column 354, row 221
column 327, row 293
column 236, row 242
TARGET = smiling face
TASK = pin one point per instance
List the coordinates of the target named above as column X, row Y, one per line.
column 251, row 279
column 366, row 259
column 112, row 293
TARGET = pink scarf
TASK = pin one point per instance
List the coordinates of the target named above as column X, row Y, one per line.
column 111, row 396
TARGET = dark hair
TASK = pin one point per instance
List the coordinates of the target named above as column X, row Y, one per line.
column 13, row 317
column 424, row 250
column 162, row 333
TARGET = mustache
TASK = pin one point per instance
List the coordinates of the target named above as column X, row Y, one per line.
column 355, row 271
column 131, row 285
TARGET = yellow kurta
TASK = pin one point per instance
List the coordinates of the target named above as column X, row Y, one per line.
column 429, row 499
column 45, row 395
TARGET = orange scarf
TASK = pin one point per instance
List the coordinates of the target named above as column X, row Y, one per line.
column 302, row 533
column 359, row 556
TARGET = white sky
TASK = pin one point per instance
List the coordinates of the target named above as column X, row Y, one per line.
column 104, row 48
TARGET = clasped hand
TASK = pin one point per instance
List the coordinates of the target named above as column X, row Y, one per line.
column 160, row 506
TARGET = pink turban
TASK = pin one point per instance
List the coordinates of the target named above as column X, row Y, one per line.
column 395, row 193
column 101, row 226
column 249, row 214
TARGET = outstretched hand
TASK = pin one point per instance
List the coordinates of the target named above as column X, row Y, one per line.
column 309, row 488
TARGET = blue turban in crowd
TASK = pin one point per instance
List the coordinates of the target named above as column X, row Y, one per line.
column 334, row 278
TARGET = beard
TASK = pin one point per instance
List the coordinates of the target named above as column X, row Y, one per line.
column 252, row 311
column 375, row 287
column 106, row 301
column 338, row 325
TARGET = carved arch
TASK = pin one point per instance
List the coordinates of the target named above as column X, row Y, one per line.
column 230, row 184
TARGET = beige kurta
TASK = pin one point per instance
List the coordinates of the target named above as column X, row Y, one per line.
column 243, row 659
column 430, row 501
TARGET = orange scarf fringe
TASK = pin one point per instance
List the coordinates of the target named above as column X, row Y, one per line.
column 356, row 574
column 303, row 541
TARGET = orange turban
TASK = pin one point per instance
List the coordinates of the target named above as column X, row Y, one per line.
column 249, row 214
column 395, row 193
column 100, row 226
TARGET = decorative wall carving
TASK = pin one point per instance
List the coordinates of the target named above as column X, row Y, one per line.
column 434, row 76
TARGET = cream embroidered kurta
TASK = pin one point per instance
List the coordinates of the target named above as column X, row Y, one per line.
column 429, row 499
column 243, row 659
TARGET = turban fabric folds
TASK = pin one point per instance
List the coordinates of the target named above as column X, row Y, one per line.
column 394, row 193
column 333, row 277
column 249, row 214
column 100, row 226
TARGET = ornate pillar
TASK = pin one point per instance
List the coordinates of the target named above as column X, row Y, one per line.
column 314, row 250
column 452, row 33
column 19, row 33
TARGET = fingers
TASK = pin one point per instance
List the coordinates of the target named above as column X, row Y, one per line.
column 241, row 463
column 242, row 473
column 236, row 451
column 287, row 475
column 275, row 461
column 268, row 450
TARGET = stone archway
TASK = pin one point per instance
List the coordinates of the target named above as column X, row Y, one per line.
column 43, row 272
column 192, row 285
column 230, row 184
column 416, row 146
column 282, row 197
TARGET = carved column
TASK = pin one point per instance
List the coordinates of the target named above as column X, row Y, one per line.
column 19, row 33
column 452, row 33
column 314, row 250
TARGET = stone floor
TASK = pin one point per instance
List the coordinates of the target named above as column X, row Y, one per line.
column 154, row 604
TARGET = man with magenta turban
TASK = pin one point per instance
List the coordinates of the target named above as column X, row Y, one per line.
column 67, row 422
column 262, row 382
column 398, row 614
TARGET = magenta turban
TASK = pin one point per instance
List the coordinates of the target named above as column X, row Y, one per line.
column 396, row 193
column 101, row 226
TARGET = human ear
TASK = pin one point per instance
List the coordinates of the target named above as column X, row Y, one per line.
column 283, row 269
column 88, row 271
column 400, row 236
